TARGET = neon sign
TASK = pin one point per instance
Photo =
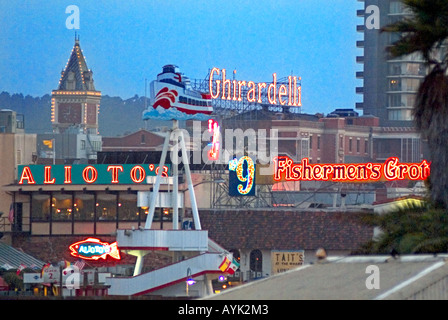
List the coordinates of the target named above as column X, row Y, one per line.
column 391, row 169
column 242, row 177
column 94, row 249
column 213, row 128
column 289, row 93
column 87, row 174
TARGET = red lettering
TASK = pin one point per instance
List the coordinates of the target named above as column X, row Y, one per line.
column 225, row 83
column 115, row 170
column 89, row 174
column 68, row 174
column 284, row 168
column 26, row 175
column 251, row 93
column 281, row 93
column 210, row 84
column 138, row 174
column 47, row 175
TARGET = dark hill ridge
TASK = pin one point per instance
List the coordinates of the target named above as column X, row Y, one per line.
column 116, row 117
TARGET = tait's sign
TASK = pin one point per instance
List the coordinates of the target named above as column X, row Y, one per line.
column 87, row 174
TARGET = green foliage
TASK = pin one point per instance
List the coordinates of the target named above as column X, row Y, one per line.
column 425, row 31
column 413, row 229
column 13, row 280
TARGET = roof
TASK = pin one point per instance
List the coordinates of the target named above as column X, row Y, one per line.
column 306, row 229
column 77, row 65
column 345, row 278
column 13, row 258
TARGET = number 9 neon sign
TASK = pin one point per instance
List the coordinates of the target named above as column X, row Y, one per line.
column 244, row 169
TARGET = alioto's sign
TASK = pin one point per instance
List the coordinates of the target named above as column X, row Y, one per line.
column 94, row 249
column 288, row 93
column 87, row 174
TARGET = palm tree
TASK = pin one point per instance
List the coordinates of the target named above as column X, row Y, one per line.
column 425, row 31
column 408, row 230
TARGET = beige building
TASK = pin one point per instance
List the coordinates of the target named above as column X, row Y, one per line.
column 16, row 147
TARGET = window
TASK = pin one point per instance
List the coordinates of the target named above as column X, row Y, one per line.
column 61, row 204
column 318, row 142
column 395, row 100
column 84, row 206
column 395, row 84
column 396, row 7
column 127, row 206
column 41, row 207
column 395, row 69
column 350, row 145
column 357, row 145
column 256, row 260
column 366, row 146
column 412, row 84
column 106, row 206
column 83, row 144
column 414, row 69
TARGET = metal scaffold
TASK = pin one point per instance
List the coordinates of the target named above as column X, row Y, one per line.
column 234, row 114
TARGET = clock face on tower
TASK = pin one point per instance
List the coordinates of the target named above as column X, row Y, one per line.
column 69, row 113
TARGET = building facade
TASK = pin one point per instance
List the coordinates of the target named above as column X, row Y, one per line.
column 389, row 84
column 16, row 148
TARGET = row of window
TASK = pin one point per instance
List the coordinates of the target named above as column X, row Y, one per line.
column 79, row 206
column 194, row 102
column 341, row 144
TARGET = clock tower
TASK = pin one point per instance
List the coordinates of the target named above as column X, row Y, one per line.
column 75, row 104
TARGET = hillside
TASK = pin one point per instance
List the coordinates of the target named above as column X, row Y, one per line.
column 116, row 117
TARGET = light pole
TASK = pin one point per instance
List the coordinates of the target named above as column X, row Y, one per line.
column 190, row 281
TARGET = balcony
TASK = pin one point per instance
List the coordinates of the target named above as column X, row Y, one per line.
column 360, row 75
column 360, row 90
column 360, row 59
column 171, row 240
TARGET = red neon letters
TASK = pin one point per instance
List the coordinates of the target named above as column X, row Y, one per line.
column 391, row 169
column 290, row 94
column 213, row 128
column 90, row 174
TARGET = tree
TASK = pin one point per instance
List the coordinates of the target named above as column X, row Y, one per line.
column 425, row 31
column 408, row 230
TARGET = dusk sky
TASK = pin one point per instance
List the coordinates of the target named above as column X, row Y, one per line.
column 125, row 42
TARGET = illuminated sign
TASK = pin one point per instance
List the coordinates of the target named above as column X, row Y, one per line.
column 213, row 128
column 391, row 169
column 288, row 93
column 282, row 261
column 94, row 249
column 242, row 177
column 87, row 174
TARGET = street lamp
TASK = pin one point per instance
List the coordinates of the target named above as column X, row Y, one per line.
column 190, row 281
